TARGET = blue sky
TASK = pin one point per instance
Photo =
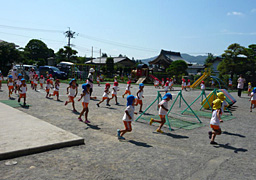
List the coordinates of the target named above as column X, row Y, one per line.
column 136, row 28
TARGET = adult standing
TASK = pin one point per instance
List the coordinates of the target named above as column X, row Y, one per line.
column 240, row 85
column 90, row 81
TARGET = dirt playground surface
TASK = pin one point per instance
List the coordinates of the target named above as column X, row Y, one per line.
column 178, row 154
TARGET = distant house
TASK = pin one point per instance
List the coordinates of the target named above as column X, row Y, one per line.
column 122, row 61
column 215, row 64
column 165, row 58
column 194, row 69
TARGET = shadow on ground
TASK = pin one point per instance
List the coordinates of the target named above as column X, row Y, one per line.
column 227, row 146
column 137, row 143
column 233, row 134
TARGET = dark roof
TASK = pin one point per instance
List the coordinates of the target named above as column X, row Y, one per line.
column 169, row 57
column 102, row 60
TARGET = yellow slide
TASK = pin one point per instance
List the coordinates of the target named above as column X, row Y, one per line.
column 211, row 97
column 198, row 81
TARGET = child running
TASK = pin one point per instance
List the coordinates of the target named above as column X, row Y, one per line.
column 230, row 83
column 253, row 99
column 41, row 81
column 249, row 88
column 188, row 85
column 171, row 84
column 202, row 86
column 18, row 82
column 10, row 85
column 86, row 99
column 98, row 80
column 140, row 96
column 56, row 89
column 156, row 83
column 35, row 81
column 166, row 87
column 128, row 89
column 128, row 117
column 23, row 90
column 72, row 92
column 1, row 79
column 163, row 109
column 162, row 83
column 114, row 92
column 215, row 121
column 105, row 95
column 47, row 88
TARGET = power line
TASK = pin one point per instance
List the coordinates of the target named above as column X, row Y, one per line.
column 29, row 29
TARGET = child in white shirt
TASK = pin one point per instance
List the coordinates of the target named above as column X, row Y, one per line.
column 105, row 95
column 215, row 121
column 41, row 81
column 72, row 92
column 202, row 86
column 114, row 92
column 140, row 96
column 128, row 89
column 23, row 89
column 86, row 99
column 128, row 117
column 56, row 89
column 253, row 99
column 163, row 109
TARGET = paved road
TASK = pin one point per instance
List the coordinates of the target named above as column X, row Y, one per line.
column 180, row 154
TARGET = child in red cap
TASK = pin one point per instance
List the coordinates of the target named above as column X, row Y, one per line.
column 47, row 88
column 128, row 89
column 56, row 89
column 105, row 95
column 162, row 83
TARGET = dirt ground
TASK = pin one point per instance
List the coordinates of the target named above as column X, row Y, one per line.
column 179, row 154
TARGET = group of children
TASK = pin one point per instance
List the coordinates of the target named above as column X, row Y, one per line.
column 168, row 84
column 218, row 105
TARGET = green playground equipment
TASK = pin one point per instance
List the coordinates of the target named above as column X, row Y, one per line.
column 208, row 99
column 159, row 98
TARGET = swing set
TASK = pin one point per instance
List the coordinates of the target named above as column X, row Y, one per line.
column 179, row 98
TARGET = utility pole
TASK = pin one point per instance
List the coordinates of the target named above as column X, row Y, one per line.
column 100, row 56
column 92, row 54
column 69, row 34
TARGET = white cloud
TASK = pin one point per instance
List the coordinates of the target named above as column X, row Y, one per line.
column 234, row 13
column 253, row 10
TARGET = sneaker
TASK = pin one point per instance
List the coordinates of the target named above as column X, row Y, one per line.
column 140, row 111
column 87, row 122
column 210, row 134
column 108, row 105
column 117, row 103
column 123, row 96
column 121, row 138
column 118, row 133
column 213, row 143
column 159, row 130
column 98, row 105
column 151, row 121
column 80, row 119
column 66, row 103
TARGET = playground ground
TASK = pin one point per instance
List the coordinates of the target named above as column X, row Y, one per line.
column 178, row 154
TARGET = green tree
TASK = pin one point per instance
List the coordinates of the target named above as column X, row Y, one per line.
column 37, row 49
column 233, row 60
column 66, row 54
column 251, row 61
column 209, row 60
column 8, row 55
column 110, row 65
column 177, row 68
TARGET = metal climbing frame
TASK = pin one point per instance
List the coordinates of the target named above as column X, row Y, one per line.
column 159, row 97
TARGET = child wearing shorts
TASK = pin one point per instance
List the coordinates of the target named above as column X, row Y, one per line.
column 230, row 83
column 41, row 81
column 202, row 86
column 23, row 90
column 140, row 96
column 127, row 90
column 215, row 121
column 98, row 80
column 47, row 88
column 156, row 83
column 170, row 84
column 86, row 99
column 10, row 85
column 163, row 109
column 35, row 82
column 72, row 92
column 127, row 118
column 253, row 99
column 162, row 83
column 18, row 82
column 188, row 85
column 249, row 88
column 166, row 87
column 105, row 95
column 56, row 89
column 114, row 92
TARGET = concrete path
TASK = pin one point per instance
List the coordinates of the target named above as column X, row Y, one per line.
column 23, row 134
